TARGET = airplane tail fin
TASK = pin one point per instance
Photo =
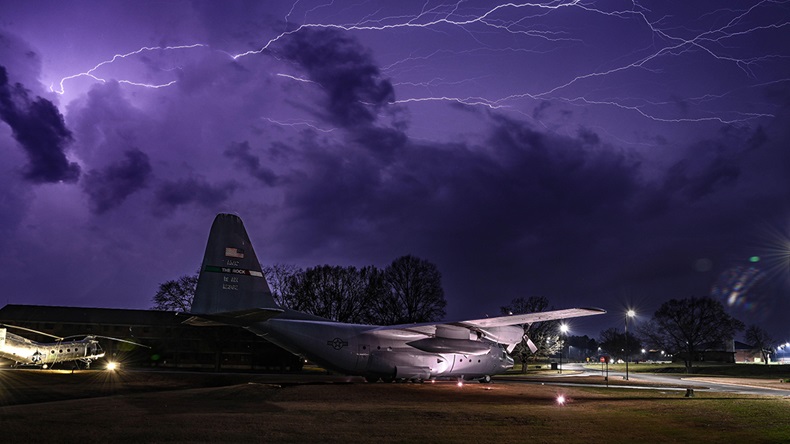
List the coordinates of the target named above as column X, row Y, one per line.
column 231, row 287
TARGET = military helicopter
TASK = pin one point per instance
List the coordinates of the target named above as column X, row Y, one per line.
column 24, row 351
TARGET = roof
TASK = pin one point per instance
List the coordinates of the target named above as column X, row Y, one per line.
column 87, row 315
column 743, row 346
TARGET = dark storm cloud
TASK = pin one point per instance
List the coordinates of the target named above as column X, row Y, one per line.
column 540, row 111
column 108, row 188
column 22, row 62
column 174, row 194
column 717, row 174
column 523, row 187
column 39, row 127
column 715, row 167
column 547, row 213
column 244, row 159
column 589, row 137
column 384, row 142
column 345, row 70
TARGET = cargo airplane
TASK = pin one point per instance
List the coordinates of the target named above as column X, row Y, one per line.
column 232, row 290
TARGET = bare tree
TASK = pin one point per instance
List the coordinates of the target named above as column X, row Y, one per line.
column 544, row 335
column 618, row 345
column 382, row 307
column 281, row 278
column 332, row 292
column 176, row 295
column 760, row 338
column 685, row 325
column 416, row 290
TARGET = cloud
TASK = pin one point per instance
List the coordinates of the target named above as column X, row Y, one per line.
column 109, row 188
column 521, row 186
column 241, row 153
column 565, row 216
column 39, row 127
column 22, row 62
column 345, row 70
column 192, row 190
column 716, row 174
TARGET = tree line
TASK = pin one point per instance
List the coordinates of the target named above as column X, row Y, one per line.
column 408, row 290
column 680, row 327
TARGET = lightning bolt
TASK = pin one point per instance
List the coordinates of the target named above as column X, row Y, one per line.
column 298, row 79
column 527, row 21
column 292, row 124
column 91, row 72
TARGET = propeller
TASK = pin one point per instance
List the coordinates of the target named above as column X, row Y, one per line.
column 531, row 344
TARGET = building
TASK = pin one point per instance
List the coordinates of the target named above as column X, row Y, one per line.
column 747, row 353
column 173, row 345
column 723, row 352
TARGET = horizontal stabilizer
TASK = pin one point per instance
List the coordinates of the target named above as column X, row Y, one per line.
column 241, row 318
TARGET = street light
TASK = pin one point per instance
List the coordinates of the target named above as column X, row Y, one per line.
column 563, row 330
column 628, row 314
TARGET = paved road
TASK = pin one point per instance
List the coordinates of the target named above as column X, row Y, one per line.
column 670, row 382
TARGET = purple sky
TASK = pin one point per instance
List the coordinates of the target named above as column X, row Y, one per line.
column 613, row 155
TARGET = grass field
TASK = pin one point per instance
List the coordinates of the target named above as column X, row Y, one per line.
column 145, row 407
column 715, row 369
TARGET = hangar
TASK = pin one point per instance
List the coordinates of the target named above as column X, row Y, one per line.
column 173, row 345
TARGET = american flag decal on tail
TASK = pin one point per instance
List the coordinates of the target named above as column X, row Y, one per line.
column 234, row 252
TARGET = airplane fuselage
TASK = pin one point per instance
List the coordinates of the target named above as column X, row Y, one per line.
column 354, row 349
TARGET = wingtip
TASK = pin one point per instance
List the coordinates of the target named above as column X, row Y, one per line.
column 596, row 309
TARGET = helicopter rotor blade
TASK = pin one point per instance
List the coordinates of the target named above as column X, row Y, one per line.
column 106, row 337
column 75, row 336
column 84, row 336
column 32, row 331
column 121, row 340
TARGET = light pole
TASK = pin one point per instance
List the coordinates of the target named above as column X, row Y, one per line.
column 628, row 314
column 563, row 330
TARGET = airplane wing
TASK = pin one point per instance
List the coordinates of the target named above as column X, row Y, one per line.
column 488, row 327
column 529, row 318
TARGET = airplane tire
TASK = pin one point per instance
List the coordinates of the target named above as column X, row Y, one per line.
column 485, row 379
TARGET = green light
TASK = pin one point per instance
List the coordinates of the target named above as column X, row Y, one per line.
column 754, row 259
